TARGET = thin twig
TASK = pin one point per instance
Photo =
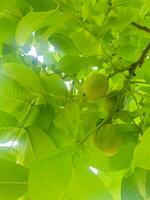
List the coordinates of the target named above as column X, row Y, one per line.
column 136, row 102
column 118, row 72
column 144, row 95
column 140, row 61
column 95, row 130
column 141, row 27
column 140, row 82
column 21, row 126
column 91, row 133
column 11, row 14
column 131, row 68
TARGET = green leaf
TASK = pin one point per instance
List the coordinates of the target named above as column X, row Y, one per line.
column 96, row 158
column 72, row 65
column 8, row 128
column 40, row 143
column 116, row 162
column 89, row 117
column 85, row 10
column 46, row 122
column 147, row 183
column 93, row 2
column 13, row 97
column 125, row 115
column 129, row 132
column 62, row 19
column 7, row 120
column 41, row 116
column 86, row 43
column 53, row 174
column 142, row 152
column 123, row 15
column 63, row 44
column 28, row 24
column 53, row 85
column 8, row 132
column 75, row 190
column 40, row 20
column 32, row 119
column 44, row 5
column 46, row 117
column 7, row 32
column 13, row 180
column 8, row 153
column 68, row 119
column 129, row 189
column 25, row 197
column 24, row 76
column 91, row 186
column 143, row 72
column 59, row 136
column 23, row 6
column 6, row 4
column 141, row 179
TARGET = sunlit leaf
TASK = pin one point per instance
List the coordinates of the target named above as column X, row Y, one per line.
column 40, row 143
column 53, row 180
column 86, row 43
column 142, row 152
column 24, row 76
column 13, row 97
column 28, row 24
column 129, row 189
column 13, row 180
column 91, row 185
column 6, row 4
column 43, row 5
column 72, row 65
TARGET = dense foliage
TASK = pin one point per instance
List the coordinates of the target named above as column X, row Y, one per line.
column 75, row 100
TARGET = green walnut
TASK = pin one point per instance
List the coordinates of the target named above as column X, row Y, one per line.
column 95, row 86
column 108, row 139
column 114, row 101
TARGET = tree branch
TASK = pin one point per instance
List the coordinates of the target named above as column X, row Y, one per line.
column 141, row 27
column 140, row 61
column 136, row 64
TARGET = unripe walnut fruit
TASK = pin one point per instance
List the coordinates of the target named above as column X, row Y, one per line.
column 114, row 101
column 95, row 86
column 108, row 139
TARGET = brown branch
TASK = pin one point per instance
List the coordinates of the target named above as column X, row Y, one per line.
column 140, row 61
column 136, row 64
column 141, row 27
column 117, row 72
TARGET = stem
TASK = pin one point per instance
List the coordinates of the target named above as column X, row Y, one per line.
column 22, row 124
column 117, row 72
column 108, row 10
column 140, row 82
column 26, row 116
column 140, row 61
column 97, row 128
column 137, row 126
column 137, row 107
column 11, row 14
column 144, row 95
column 141, row 27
